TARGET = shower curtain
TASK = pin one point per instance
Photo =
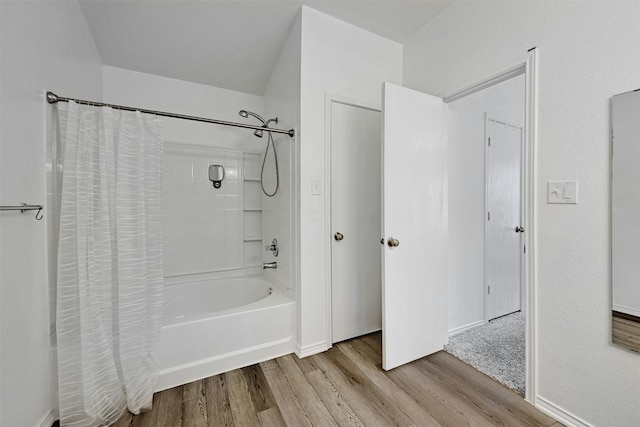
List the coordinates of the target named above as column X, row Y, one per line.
column 110, row 277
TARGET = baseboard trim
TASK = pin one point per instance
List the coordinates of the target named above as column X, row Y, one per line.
column 312, row 349
column 565, row 417
column 48, row 420
column 460, row 329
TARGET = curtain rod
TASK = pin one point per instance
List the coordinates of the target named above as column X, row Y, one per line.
column 52, row 98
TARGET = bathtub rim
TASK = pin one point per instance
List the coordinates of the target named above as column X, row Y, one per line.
column 277, row 298
column 213, row 275
column 267, row 275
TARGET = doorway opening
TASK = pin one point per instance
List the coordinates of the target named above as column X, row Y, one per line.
column 355, row 214
column 488, row 197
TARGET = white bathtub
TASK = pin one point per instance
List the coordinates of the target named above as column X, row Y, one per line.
column 215, row 326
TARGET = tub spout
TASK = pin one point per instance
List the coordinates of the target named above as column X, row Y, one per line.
column 269, row 265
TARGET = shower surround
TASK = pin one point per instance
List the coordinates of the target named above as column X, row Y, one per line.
column 214, row 238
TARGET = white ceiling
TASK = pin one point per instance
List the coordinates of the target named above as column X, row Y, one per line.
column 229, row 44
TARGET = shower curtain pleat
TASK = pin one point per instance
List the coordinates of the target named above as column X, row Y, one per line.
column 110, row 276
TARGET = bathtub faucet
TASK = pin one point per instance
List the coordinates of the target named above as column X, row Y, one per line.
column 269, row 265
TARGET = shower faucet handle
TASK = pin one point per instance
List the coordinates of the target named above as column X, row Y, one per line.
column 273, row 247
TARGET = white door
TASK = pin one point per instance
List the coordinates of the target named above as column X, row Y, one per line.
column 504, row 233
column 355, row 220
column 414, row 278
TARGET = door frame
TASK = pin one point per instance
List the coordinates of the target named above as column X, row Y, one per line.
column 529, row 64
column 516, row 124
column 353, row 102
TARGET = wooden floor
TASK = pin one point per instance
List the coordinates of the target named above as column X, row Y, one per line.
column 344, row 386
column 626, row 330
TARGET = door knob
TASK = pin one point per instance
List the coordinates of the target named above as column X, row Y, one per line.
column 519, row 229
column 338, row 236
column 393, row 242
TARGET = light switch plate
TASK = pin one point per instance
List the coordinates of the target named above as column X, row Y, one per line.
column 315, row 187
column 565, row 192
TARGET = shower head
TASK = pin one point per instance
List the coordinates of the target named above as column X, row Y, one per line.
column 265, row 123
column 246, row 114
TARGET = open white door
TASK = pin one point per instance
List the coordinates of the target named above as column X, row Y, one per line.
column 414, row 272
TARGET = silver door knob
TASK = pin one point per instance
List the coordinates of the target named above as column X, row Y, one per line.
column 519, row 229
column 393, row 242
column 338, row 236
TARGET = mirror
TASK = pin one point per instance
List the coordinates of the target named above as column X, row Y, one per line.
column 625, row 220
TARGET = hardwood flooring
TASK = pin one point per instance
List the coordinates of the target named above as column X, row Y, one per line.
column 626, row 330
column 344, row 386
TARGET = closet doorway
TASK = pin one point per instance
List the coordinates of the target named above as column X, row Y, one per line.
column 407, row 212
column 355, row 176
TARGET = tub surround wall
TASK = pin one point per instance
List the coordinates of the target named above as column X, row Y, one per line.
column 282, row 99
column 203, row 225
column 253, row 212
column 342, row 59
column 587, row 53
column 206, row 230
column 35, row 56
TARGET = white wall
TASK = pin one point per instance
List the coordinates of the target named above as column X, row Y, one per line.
column 282, row 99
column 149, row 91
column 36, row 56
column 466, row 172
column 341, row 59
column 587, row 53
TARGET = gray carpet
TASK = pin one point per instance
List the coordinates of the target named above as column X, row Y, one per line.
column 495, row 348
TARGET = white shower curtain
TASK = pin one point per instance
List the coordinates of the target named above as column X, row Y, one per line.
column 110, row 276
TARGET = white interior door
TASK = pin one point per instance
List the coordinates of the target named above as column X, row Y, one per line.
column 355, row 220
column 414, row 278
column 504, row 232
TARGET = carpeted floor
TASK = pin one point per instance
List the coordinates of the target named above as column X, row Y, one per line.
column 495, row 348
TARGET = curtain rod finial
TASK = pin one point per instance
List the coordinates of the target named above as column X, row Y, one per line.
column 52, row 98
